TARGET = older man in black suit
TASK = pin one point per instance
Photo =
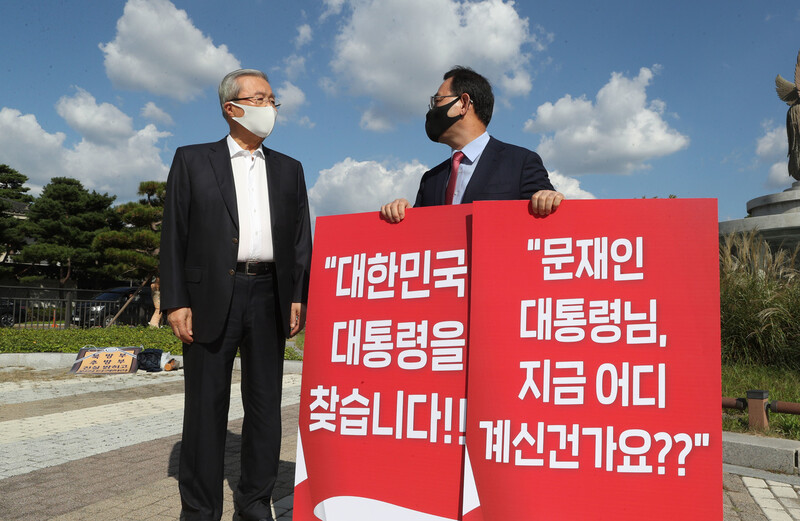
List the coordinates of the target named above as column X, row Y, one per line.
column 480, row 168
column 235, row 260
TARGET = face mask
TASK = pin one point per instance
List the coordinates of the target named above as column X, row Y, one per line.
column 258, row 120
column 437, row 121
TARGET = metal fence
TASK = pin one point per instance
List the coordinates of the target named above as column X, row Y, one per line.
column 55, row 313
column 758, row 406
column 41, row 309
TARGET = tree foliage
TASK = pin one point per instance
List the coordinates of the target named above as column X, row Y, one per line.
column 64, row 221
column 12, row 233
column 12, row 185
column 132, row 251
column 759, row 302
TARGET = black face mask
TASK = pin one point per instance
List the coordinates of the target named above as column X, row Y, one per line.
column 437, row 121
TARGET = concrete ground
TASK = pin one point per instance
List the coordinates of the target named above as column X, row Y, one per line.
column 105, row 448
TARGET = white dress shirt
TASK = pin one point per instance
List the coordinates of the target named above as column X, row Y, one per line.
column 472, row 153
column 252, row 201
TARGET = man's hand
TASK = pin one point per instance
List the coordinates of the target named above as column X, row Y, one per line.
column 395, row 211
column 297, row 318
column 545, row 202
column 181, row 321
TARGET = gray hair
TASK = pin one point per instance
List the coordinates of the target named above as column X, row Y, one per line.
column 229, row 86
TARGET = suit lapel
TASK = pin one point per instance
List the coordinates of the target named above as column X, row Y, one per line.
column 273, row 186
column 220, row 158
column 440, row 182
column 483, row 172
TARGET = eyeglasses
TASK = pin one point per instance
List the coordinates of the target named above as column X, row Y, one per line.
column 435, row 99
column 259, row 101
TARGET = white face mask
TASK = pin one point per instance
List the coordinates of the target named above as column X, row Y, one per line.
column 258, row 120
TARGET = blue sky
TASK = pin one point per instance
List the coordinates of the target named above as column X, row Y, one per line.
column 622, row 99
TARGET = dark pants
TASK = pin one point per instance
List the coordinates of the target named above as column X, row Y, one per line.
column 253, row 326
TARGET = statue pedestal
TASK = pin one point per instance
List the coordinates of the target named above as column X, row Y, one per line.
column 775, row 216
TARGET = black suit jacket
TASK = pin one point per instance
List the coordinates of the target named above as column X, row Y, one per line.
column 200, row 235
column 504, row 172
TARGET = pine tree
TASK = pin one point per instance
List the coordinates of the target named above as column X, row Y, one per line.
column 64, row 221
column 12, row 189
column 12, row 185
column 132, row 251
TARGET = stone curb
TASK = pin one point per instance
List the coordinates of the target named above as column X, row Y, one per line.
column 65, row 360
column 759, row 452
column 742, row 450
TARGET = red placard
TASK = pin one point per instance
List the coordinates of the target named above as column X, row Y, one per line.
column 594, row 365
column 382, row 411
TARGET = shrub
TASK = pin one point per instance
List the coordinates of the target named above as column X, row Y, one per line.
column 782, row 384
column 22, row 340
column 759, row 303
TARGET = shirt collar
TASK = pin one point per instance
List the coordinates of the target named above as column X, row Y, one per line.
column 236, row 150
column 474, row 148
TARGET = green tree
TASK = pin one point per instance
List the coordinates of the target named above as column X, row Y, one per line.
column 132, row 251
column 12, row 189
column 12, row 185
column 63, row 221
column 12, row 230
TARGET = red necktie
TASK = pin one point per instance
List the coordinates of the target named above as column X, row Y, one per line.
column 451, row 184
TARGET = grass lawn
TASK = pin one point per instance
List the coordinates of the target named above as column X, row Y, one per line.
column 782, row 384
column 29, row 340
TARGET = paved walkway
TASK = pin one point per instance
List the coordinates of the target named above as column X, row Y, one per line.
column 105, row 448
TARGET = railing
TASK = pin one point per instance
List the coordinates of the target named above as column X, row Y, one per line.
column 12, row 312
column 758, row 406
column 46, row 293
column 66, row 313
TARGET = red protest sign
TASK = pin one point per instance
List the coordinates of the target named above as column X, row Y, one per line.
column 594, row 361
column 382, row 412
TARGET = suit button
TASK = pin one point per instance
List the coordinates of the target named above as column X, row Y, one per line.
column 231, row 272
column 235, row 240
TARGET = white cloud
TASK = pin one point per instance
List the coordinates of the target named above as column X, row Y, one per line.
column 352, row 186
column 26, row 147
column 118, row 170
column 153, row 112
column 773, row 143
column 516, row 84
column 295, row 66
column 115, row 162
column 305, row 121
column 375, row 57
column 616, row 134
column 158, row 49
column 292, row 98
column 103, row 123
column 332, row 7
column 328, row 86
column 375, row 121
column 569, row 186
column 772, row 148
column 778, row 176
column 304, row 35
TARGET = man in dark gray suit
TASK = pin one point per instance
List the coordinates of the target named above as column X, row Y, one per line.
column 480, row 168
column 235, row 260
